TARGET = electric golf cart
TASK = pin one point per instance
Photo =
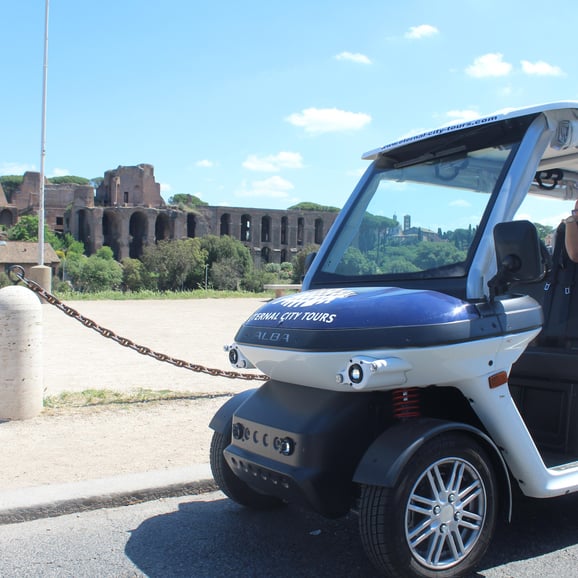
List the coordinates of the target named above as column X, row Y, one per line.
column 429, row 365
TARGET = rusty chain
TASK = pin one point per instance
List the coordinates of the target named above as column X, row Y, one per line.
column 16, row 273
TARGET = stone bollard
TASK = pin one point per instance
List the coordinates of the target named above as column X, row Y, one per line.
column 42, row 275
column 21, row 374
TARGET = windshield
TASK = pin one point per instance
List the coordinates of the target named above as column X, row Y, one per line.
column 416, row 218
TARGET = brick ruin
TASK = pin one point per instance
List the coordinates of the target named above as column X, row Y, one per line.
column 127, row 213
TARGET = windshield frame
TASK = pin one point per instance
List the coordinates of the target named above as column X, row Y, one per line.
column 504, row 133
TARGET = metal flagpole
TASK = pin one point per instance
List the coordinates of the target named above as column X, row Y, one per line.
column 43, row 144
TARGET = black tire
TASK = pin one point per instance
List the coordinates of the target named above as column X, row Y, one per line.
column 422, row 528
column 232, row 486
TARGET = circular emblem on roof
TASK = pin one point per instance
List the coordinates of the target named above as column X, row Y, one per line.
column 315, row 297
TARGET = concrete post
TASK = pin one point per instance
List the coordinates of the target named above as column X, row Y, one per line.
column 42, row 274
column 21, row 373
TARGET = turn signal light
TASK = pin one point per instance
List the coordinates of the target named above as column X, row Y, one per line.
column 497, row 379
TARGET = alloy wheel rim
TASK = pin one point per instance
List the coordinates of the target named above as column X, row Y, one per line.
column 445, row 513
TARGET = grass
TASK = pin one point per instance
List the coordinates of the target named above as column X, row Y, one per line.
column 141, row 295
column 103, row 397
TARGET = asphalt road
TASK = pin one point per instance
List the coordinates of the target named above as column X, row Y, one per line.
column 209, row 536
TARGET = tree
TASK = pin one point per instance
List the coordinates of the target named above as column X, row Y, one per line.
column 374, row 231
column 11, row 184
column 94, row 273
column 286, row 272
column 461, row 238
column 225, row 247
column 185, row 200
column 4, row 280
column 307, row 206
column 71, row 245
column 430, row 255
column 299, row 262
column 26, row 229
column 68, row 179
column 67, row 249
column 106, row 253
column 543, row 230
column 176, row 265
column 226, row 274
column 256, row 280
column 135, row 277
column 354, row 262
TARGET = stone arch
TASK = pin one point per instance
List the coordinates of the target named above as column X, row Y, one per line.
column 245, row 228
column 84, row 231
column 191, row 225
column 318, row 231
column 6, row 218
column 111, row 230
column 283, row 256
column 266, row 229
column 265, row 254
column 300, row 230
column 225, row 228
column 162, row 227
column 137, row 234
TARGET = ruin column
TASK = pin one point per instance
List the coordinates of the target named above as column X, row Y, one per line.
column 97, row 237
column 151, row 228
column 123, row 236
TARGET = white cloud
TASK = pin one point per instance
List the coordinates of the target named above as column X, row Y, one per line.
column 541, row 68
column 16, row 168
column 353, row 57
column 60, row 173
column 166, row 188
column 273, row 163
column 322, row 120
column 491, row 64
column 273, row 187
column 421, row 31
column 465, row 115
column 205, row 163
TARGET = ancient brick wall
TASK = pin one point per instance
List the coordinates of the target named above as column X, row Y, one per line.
column 125, row 186
column 128, row 213
column 272, row 236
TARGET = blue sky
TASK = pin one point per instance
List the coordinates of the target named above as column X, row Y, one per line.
column 262, row 103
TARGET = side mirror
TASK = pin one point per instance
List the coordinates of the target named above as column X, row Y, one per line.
column 518, row 256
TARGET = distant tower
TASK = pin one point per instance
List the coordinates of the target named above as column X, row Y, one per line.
column 406, row 222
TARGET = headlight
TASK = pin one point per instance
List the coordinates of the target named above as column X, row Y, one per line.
column 367, row 372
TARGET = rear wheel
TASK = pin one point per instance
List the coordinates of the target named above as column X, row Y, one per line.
column 232, row 486
column 439, row 520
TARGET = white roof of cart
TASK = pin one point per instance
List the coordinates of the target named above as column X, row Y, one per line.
column 496, row 117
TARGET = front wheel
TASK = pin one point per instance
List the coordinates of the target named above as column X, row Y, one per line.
column 439, row 520
column 230, row 484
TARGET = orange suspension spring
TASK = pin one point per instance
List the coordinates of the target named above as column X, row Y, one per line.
column 406, row 403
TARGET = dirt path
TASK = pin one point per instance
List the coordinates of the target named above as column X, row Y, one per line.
column 70, row 445
column 90, row 443
column 77, row 358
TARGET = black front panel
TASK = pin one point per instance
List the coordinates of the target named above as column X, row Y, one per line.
column 302, row 444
